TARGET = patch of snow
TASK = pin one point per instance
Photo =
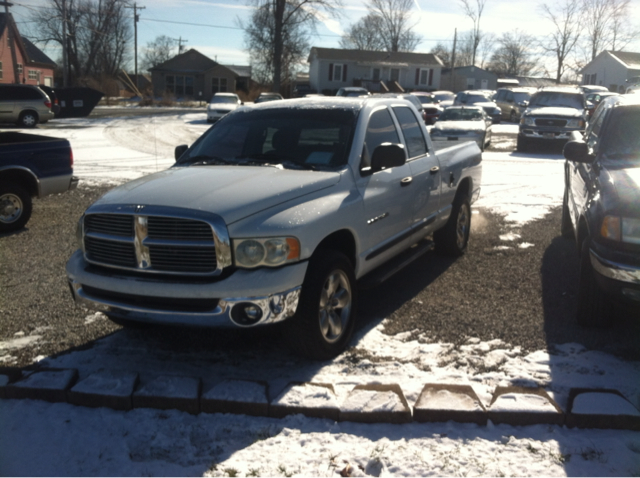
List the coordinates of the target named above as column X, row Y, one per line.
column 511, row 236
column 522, row 402
column 447, row 400
column 603, row 404
column 307, row 395
column 525, row 245
column 365, row 401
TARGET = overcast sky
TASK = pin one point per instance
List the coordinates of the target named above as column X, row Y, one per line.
column 212, row 26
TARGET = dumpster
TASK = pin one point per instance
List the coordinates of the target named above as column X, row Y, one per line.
column 77, row 101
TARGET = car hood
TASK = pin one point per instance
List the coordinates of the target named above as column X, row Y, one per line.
column 554, row 111
column 625, row 185
column 232, row 192
column 222, row 106
column 459, row 126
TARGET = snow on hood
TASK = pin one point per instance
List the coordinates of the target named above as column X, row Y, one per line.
column 459, row 126
column 232, row 192
column 554, row 111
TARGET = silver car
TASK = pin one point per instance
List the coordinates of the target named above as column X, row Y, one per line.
column 221, row 104
column 25, row 105
column 462, row 123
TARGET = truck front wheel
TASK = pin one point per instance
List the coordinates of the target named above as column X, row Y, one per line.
column 594, row 309
column 325, row 319
column 453, row 238
column 15, row 207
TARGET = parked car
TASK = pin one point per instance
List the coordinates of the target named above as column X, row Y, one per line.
column 279, row 213
column 445, row 98
column 410, row 98
column 353, row 91
column 221, row 104
column 478, row 98
column 513, row 101
column 552, row 115
column 586, row 89
column 262, row 97
column 592, row 100
column 55, row 104
column 463, row 123
column 600, row 208
column 430, row 104
column 25, row 105
column 31, row 166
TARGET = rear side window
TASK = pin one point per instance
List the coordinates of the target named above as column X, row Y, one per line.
column 381, row 129
column 19, row 93
column 411, row 131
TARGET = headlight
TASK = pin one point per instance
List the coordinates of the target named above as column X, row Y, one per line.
column 272, row 251
column 527, row 121
column 576, row 123
column 80, row 233
column 623, row 229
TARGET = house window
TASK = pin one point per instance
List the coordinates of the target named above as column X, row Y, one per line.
column 179, row 85
column 20, row 68
column 375, row 74
column 337, row 72
column 425, row 77
column 218, row 85
column 170, row 83
column 33, row 74
column 0, row 70
column 394, row 74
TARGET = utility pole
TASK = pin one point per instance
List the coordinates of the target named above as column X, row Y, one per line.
column 180, row 41
column 12, row 42
column 65, row 59
column 136, row 18
column 453, row 61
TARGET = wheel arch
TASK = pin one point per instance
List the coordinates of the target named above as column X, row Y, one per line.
column 342, row 241
column 22, row 176
column 465, row 187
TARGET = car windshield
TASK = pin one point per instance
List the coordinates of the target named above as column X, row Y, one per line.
column 472, row 99
column 444, row 96
column 224, row 99
column 459, row 114
column 559, row 99
column 295, row 138
column 622, row 140
column 521, row 97
column 262, row 99
column 426, row 100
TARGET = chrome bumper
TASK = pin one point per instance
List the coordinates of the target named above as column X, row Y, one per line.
column 616, row 271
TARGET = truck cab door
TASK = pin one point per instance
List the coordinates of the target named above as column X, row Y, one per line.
column 387, row 195
column 425, row 169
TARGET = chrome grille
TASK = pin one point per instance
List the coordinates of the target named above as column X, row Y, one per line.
column 116, row 224
column 179, row 229
column 556, row 123
column 191, row 259
column 117, row 253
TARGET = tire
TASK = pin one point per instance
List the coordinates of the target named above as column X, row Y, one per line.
column 513, row 117
column 325, row 319
column 15, row 207
column 522, row 145
column 594, row 309
column 453, row 238
column 28, row 119
column 566, row 228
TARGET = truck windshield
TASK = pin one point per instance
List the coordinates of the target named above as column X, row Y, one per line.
column 622, row 140
column 559, row 99
column 299, row 138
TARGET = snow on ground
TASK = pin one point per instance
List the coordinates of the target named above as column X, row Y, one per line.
column 39, row 438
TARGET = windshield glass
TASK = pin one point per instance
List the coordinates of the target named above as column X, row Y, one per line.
column 444, row 96
column 473, row 99
column 426, row 100
column 224, row 99
column 622, row 140
column 521, row 97
column 302, row 138
column 459, row 114
column 559, row 99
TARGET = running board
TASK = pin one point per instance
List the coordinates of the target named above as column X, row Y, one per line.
column 386, row 270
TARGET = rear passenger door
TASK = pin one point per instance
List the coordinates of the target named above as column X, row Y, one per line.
column 425, row 169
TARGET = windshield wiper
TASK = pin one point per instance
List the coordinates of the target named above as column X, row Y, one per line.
column 205, row 160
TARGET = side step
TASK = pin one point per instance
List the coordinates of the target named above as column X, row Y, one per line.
column 386, row 270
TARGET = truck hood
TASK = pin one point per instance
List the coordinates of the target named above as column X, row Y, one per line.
column 554, row 111
column 459, row 126
column 232, row 192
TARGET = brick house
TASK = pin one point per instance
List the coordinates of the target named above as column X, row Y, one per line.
column 378, row 71
column 196, row 76
column 33, row 67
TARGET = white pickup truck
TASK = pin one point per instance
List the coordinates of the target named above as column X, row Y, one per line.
column 279, row 211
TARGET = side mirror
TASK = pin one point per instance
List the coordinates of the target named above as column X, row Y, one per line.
column 578, row 151
column 387, row 155
column 179, row 151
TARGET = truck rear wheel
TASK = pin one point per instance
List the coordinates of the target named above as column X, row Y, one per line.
column 325, row 319
column 594, row 309
column 453, row 238
column 15, row 207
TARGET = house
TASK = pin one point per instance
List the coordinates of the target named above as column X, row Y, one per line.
column 378, row 71
column 32, row 66
column 468, row 78
column 612, row 69
column 194, row 75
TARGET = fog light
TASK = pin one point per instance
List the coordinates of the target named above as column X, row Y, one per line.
column 246, row 314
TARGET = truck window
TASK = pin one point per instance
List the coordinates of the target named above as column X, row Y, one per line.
column 381, row 129
column 411, row 131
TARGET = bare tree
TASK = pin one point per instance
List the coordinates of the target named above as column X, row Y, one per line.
column 474, row 12
column 607, row 25
column 443, row 52
column 158, row 51
column 396, row 31
column 566, row 17
column 283, row 24
column 513, row 55
column 97, row 34
column 364, row 35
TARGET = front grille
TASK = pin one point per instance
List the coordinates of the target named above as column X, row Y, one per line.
column 554, row 123
column 157, row 303
column 156, row 244
column 116, row 224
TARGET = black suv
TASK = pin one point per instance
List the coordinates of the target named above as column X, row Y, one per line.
column 600, row 208
column 552, row 115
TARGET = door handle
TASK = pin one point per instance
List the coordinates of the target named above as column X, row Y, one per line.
column 406, row 181
column 434, row 170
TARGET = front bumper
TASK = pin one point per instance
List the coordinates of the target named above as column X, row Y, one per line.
column 546, row 134
column 274, row 292
column 616, row 278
